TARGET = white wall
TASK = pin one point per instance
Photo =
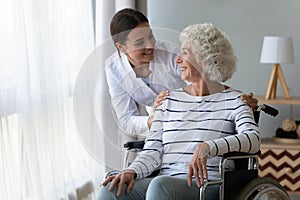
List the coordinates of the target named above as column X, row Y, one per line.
column 245, row 23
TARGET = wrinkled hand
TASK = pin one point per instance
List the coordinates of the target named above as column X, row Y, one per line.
column 125, row 177
column 159, row 99
column 250, row 100
column 197, row 167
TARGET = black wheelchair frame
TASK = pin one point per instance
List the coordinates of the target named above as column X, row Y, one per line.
column 242, row 183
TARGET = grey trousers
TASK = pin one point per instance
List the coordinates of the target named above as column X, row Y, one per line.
column 160, row 187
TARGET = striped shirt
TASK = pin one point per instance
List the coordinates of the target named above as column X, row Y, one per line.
column 221, row 120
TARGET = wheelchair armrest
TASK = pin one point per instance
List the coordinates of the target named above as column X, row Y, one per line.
column 240, row 154
column 111, row 173
column 241, row 160
column 134, row 144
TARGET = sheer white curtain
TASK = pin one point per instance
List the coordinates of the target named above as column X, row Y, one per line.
column 110, row 135
column 42, row 46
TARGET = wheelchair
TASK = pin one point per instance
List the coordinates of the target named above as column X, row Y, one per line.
column 242, row 183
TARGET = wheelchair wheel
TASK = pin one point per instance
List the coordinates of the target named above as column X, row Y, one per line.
column 264, row 189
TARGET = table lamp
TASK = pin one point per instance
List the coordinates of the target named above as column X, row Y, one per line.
column 277, row 50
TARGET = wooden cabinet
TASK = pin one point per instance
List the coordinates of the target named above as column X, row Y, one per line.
column 278, row 160
column 281, row 162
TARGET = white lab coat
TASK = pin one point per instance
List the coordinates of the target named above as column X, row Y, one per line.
column 129, row 92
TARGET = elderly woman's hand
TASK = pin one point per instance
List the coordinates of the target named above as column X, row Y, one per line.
column 197, row 167
column 159, row 99
column 125, row 177
column 250, row 100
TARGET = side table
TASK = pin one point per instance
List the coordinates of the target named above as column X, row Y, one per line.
column 281, row 162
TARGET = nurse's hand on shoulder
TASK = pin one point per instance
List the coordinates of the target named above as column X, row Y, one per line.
column 250, row 100
column 126, row 177
column 160, row 98
column 158, row 101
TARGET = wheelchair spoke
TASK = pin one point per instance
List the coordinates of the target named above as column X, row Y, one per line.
column 263, row 189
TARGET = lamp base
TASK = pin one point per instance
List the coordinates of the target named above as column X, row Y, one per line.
column 277, row 74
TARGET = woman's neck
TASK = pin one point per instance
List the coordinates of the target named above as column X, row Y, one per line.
column 142, row 70
column 204, row 88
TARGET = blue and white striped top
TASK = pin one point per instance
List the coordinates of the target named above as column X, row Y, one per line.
column 222, row 120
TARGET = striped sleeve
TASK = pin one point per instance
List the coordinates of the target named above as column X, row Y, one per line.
column 149, row 159
column 246, row 139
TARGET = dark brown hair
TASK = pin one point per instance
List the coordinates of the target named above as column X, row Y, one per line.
column 123, row 22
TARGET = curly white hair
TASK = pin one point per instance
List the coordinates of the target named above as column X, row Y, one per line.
column 212, row 49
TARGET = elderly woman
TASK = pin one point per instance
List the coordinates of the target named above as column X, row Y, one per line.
column 193, row 127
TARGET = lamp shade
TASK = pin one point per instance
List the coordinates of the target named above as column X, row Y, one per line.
column 277, row 50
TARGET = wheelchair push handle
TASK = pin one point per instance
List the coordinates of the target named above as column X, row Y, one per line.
column 134, row 144
column 268, row 110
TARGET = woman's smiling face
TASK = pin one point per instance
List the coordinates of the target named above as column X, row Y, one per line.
column 190, row 68
column 139, row 46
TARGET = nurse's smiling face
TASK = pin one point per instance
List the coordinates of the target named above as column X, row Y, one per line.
column 139, row 46
column 190, row 69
